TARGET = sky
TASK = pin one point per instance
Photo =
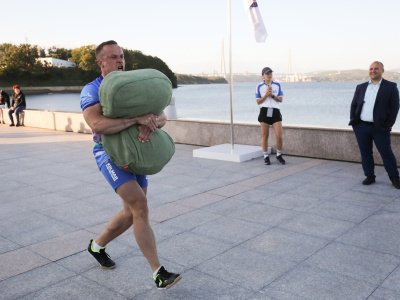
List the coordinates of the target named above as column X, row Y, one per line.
column 313, row 35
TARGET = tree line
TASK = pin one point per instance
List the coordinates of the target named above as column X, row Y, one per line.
column 20, row 64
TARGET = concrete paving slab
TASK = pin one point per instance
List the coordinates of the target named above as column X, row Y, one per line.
column 264, row 214
column 384, row 294
column 355, row 262
column 363, row 198
column 380, row 232
column 230, row 230
column 306, row 282
column 191, row 219
column 75, row 288
column 257, row 195
column 168, row 211
column 11, row 209
column 245, row 268
column 317, row 226
column 189, row 249
column 200, row 200
column 7, row 245
column 40, row 228
column 342, row 211
column 19, row 261
column 286, row 244
column 10, row 195
column 33, row 280
column 228, row 206
column 43, row 202
column 291, row 201
column 393, row 280
column 80, row 213
column 63, row 246
column 393, row 206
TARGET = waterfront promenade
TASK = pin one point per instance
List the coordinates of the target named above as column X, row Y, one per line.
column 306, row 230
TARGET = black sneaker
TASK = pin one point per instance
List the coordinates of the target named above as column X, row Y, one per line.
column 396, row 183
column 12, row 124
column 102, row 257
column 369, row 180
column 280, row 159
column 165, row 279
column 267, row 161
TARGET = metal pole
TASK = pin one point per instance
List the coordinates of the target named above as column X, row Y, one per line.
column 230, row 73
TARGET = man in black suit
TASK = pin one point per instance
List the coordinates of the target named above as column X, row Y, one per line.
column 372, row 114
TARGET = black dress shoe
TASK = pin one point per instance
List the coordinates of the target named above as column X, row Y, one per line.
column 369, row 180
column 396, row 183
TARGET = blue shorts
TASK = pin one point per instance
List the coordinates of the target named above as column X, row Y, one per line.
column 117, row 177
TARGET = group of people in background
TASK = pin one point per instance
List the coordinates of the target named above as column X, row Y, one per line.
column 373, row 113
column 16, row 106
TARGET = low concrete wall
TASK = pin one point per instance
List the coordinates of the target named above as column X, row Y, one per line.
column 61, row 121
column 308, row 141
column 316, row 142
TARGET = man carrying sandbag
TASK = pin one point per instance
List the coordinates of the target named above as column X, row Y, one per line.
column 129, row 186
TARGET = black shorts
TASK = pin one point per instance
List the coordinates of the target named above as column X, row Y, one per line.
column 276, row 116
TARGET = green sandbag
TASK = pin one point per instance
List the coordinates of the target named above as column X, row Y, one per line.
column 131, row 94
column 148, row 158
column 134, row 93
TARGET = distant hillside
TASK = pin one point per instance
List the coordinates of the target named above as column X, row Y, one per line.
column 191, row 79
column 346, row 75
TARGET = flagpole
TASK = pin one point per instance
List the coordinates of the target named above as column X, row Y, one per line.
column 230, row 73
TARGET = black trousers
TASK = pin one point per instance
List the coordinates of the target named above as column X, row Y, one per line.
column 17, row 111
column 366, row 134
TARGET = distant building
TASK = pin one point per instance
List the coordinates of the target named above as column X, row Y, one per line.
column 56, row 62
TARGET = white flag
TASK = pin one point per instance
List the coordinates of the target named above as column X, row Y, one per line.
column 260, row 32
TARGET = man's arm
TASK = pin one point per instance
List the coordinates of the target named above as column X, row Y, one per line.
column 103, row 125
column 394, row 105
column 353, row 106
column 145, row 132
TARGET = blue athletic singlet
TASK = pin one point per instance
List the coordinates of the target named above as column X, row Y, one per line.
column 90, row 97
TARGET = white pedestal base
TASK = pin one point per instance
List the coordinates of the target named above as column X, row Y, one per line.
column 224, row 152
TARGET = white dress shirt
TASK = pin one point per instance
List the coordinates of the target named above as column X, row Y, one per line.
column 367, row 112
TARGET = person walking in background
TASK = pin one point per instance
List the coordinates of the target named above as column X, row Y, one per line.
column 130, row 187
column 373, row 112
column 4, row 100
column 18, row 104
column 268, row 96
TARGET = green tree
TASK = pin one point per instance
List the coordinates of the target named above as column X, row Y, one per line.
column 18, row 59
column 19, row 63
column 60, row 53
column 6, row 56
column 85, row 58
column 135, row 60
column 42, row 52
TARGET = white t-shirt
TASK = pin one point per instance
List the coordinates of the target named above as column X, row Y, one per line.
column 262, row 89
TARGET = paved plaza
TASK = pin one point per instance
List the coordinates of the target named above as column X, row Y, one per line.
column 306, row 230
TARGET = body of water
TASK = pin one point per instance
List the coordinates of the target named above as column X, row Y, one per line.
column 305, row 103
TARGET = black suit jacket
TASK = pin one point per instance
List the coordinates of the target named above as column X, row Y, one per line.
column 386, row 104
